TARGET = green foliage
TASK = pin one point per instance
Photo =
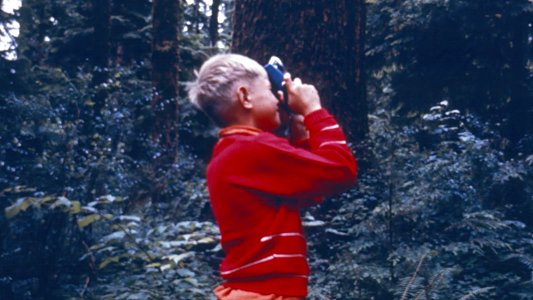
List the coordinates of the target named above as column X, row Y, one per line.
column 52, row 142
column 473, row 53
column 195, row 22
column 113, row 242
column 439, row 212
column 54, row 149
column 175, row 260
column 422, row 223
column 39, row 245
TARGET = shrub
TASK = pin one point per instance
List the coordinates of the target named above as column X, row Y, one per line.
column 422, row 222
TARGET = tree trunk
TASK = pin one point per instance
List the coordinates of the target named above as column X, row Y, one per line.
column 196, row 16
column 213, row 23
column 519, row 106
column 102, row 34
column 320, row 41
column 165, row 73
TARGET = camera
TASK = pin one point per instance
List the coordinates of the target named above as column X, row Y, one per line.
column 275, row 71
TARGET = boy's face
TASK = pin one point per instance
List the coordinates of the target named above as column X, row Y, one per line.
column 265, row 105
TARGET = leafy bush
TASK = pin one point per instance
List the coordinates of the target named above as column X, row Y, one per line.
column 60, row 244
column 473, row 53
column 55, row 151
column 422, row 223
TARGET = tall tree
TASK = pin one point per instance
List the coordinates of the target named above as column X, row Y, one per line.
column 472, row 53
column 165, row 72
column 34, row 25
column 131, row 35
column 213, row 22
column 320, row 41
column 196, row 16
column 102, row 35
column 520, row 107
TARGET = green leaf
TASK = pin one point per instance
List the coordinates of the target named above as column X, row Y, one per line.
column 21, row 205
column 44, row 200
column 76, row 207
column 89, row 102
column 87, row 220
column 117, row 235
column 153, row 265
column 19, row 189
column 109, row 260
column 176, row 258
column 62, row 202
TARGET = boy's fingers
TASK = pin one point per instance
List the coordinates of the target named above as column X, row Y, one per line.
column 287, row 81
column 280, row 96
column 297, row 118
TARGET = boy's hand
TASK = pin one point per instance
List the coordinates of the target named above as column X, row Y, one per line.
column 303, row 98
column 298, row 129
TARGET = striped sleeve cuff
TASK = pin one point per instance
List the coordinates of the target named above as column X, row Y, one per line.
column 313, row 120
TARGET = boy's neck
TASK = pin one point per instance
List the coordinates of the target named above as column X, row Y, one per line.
column 239, row 129
column 244, row 122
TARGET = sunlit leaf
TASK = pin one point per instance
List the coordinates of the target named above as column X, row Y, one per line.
column 529, row 160
column 87, row 220
column 89, row 102
column 153, row 265
column 47, row 199
column 130, row 218
column 177, row 258
column 20, row 205
column 117, row 235
column 62, row 202
column 107, row 216
column 165, row 267
column 76, row 207
column 19, row 189
column 207, row 240
column 109, row 260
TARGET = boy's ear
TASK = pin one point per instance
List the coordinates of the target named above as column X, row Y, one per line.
column 243, row 96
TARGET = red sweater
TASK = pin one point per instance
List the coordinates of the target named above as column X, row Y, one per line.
column 257, row 184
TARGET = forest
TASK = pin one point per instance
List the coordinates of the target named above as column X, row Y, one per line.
column 102, row 157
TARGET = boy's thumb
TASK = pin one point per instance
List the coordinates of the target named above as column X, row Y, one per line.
column 287, row 80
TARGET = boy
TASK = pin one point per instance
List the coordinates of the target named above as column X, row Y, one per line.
column 258, row 181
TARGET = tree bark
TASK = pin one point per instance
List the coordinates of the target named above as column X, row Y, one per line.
column 320, row 41
column 102, row 35
column 519, row 107
column 196, row 16
column 165, row 73
column 213, row 23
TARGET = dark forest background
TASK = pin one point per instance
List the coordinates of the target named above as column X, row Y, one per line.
column 102, row 158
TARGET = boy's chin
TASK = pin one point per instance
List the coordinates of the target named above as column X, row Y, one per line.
column 281, row 130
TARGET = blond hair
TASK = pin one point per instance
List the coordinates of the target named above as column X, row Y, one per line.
column 213, row 91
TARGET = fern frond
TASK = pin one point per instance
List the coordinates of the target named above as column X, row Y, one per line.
column 523, row 258
column 481, row 221
column 476, row 292
column 411, row 281
column 408, row 287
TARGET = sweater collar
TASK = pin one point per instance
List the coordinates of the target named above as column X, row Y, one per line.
column 239, row 129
